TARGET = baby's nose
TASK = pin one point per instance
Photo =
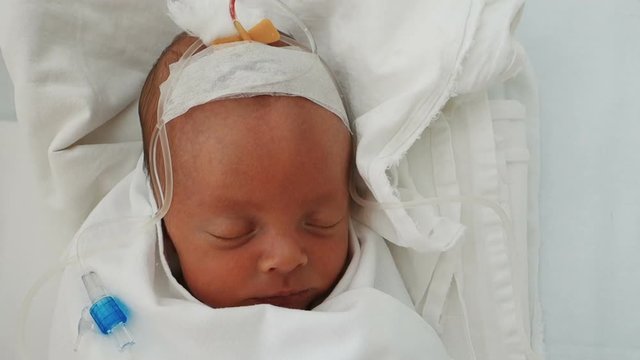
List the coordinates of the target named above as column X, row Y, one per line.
column 282, row 254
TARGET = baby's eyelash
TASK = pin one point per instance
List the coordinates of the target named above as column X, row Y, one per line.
column 233, row 238
column 308, row 223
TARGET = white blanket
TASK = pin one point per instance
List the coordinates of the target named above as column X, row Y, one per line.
column 368, row 315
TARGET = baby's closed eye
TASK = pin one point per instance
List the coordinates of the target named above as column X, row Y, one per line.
column 231, row 229
column 325, row 222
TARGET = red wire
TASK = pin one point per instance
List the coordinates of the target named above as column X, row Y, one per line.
column 232, row 9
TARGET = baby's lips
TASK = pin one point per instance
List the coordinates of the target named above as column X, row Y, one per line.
column 294, row 299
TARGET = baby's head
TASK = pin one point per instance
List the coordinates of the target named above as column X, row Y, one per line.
column 260, row 210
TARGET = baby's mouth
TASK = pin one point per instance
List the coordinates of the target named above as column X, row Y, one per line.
column 292, row 299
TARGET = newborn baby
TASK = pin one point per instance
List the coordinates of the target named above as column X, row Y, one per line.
column 260, row 211
column 257, row 232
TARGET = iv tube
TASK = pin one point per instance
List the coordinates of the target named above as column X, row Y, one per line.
column 165, row 193
column 475, row 200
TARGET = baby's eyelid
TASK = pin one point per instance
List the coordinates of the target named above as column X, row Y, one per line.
column 234, row 238
column 311, row 223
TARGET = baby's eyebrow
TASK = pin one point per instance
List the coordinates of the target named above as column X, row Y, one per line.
column 231, row 203
column 328, row 197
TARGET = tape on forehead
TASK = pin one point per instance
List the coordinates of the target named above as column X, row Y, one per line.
column 249, row 69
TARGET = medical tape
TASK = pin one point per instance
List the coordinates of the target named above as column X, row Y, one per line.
column 248, row 69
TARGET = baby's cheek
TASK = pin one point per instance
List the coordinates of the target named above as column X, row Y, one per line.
column 331, row 256
column 216, row 278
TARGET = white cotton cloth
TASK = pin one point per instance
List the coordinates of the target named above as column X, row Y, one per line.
column 368, row 314
column 247, row 69
column 405, row 61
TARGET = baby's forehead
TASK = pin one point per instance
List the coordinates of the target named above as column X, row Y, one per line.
column 267, row 112
column 245, row 104
column 250, row 138
column 258, row 126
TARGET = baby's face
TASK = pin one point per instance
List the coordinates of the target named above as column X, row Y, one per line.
column 260, row 211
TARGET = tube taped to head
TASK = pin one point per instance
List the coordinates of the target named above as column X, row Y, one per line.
column 247, row 69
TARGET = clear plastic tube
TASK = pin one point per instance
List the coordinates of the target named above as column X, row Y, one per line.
column 441, row 200
column 287, row 10
column 155, row 180
column 165, row 193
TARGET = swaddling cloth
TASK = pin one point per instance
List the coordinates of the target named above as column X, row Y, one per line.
column 248, row 69
column 367, row 316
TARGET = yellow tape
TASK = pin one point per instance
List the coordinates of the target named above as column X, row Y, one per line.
column 264, row 32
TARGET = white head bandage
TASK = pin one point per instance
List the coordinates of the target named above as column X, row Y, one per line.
column 234, row 70
column 249, row 69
